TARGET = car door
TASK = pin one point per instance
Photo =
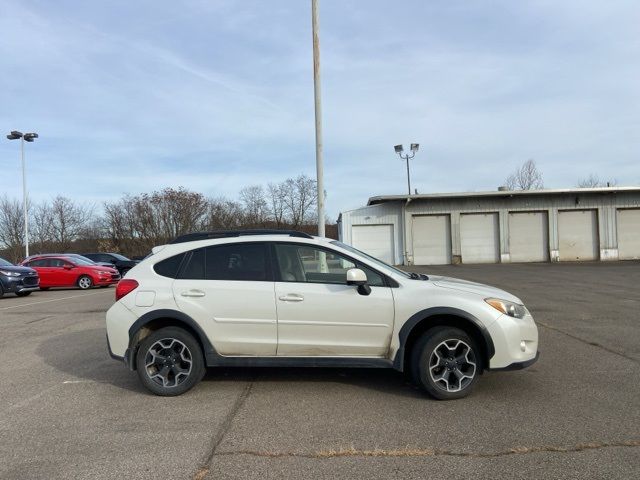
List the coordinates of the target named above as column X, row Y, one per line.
column 62, row 273
column 229, row 290
column 319, row 314
column 44, row 270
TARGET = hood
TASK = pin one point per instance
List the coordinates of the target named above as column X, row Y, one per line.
column 19, row 269
column 101, row 268
column 485, row 291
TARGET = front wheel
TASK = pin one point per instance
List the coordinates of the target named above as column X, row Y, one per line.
column 85, row 282
column 445, row 363
column 23, row 294
column 170, row 362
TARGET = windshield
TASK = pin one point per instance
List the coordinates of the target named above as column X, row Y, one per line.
column 4, row 263
column 80, row 260
column 380, row 263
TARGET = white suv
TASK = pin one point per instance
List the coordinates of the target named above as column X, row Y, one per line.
column 284, row 298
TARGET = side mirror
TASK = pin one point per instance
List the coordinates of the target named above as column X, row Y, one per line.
column 67, row 267
column 357, row 277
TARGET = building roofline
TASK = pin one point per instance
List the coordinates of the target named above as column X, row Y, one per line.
column 498, row 193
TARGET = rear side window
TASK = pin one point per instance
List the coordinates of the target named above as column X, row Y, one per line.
column 244, row 261
column 237, row 261
column 169, row 266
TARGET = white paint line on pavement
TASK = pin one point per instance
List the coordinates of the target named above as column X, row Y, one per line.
column 78, row 381
column 52, row 300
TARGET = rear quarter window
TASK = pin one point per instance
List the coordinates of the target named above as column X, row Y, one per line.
column 169, row 266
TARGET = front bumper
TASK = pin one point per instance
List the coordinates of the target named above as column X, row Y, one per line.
column 107, row 280
column 515, row 341
column 20, row 284
column 517, row 365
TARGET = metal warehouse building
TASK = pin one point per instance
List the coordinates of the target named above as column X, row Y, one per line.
column 499, row 226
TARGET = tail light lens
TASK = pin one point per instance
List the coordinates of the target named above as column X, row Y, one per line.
column 124, row 287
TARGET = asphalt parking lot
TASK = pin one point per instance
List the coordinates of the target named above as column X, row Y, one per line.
column 69, row 411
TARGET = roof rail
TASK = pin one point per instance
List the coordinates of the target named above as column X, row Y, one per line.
column 192, row 237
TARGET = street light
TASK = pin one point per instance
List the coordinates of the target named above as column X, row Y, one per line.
column 26, row 137
column 399, row 150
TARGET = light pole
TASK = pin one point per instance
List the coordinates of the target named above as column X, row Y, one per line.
column 399, row 149
column 318, row 111
column 26, row 137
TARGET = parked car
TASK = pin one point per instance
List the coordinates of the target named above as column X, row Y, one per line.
column 72, row 255
column 120, row 262
column 16, row 279
column 274, row 298
column 68, row 271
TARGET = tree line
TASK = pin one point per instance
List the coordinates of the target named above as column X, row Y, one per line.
column 133, row 224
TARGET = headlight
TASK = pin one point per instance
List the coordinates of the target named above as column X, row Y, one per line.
column 104, row 273
column 508, row 308
column 10, row 274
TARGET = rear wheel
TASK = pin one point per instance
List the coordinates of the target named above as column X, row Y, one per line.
column 23, row 294
column 85, row 282
column 1, row 290
column 170, row 362
column 445, row 363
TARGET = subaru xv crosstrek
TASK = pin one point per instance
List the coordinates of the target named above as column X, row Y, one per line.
column 285, row 298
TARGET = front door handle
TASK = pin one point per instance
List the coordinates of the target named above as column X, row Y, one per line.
column 291, row 297
column 193, row 293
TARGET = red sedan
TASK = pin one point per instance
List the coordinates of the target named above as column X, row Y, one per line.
column 71, row 272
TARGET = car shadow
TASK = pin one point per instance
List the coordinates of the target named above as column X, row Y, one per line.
column 84, row 355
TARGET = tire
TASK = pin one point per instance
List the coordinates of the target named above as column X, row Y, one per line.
column 85, row 282
column 175, row 349
column 23, row 294
column 1, row 291
column 446, row 363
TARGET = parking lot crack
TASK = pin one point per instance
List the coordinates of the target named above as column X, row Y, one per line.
column 429, row 452
column 587, row 342
column 202, row 472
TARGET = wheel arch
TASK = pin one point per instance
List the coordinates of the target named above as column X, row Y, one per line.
column 158, row 319
column 423, row 320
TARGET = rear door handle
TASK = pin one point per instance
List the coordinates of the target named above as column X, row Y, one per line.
column 193, row 293
column 291, row 297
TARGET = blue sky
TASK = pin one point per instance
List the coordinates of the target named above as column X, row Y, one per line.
column 214, row 95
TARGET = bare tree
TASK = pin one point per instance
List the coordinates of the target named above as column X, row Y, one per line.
column 255, row 205
column 68, row 221
column 277, row 207
column 594, row 181
column 299, row 198
column 11, row 227
column 527, row 177
column 224, row 214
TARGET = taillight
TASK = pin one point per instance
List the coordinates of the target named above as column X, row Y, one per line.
column 124, row 287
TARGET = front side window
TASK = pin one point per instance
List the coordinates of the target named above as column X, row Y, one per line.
column 305, row 263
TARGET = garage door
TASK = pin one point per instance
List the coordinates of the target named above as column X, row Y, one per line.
column 629, row 234
column 431, row 239
column 578, row 235
column 479, row 238
column 376, row 240
column 528, row 236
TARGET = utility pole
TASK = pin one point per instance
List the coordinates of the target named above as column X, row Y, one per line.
column 318, row 114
